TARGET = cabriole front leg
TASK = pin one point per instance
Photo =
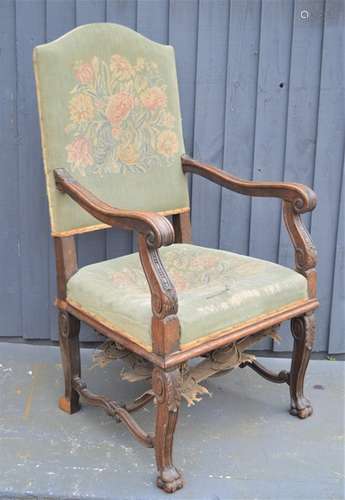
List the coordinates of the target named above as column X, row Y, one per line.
column 167, row 388
column 303, row 331
column 69, row 327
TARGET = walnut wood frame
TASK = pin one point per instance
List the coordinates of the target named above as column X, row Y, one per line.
column 154, row 231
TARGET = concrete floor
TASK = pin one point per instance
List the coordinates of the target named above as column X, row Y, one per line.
column 239, row 444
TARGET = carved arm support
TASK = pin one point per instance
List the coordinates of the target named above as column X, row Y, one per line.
column 154, row 231
column 297, row 199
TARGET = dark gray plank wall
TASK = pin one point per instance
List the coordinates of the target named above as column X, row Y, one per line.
column 262, row 95
column 10, row 275
column 33, row 217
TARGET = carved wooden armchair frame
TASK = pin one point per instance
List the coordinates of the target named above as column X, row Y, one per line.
column 155, row 231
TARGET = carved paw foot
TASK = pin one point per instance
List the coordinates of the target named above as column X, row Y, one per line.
column 301, row 409
column 69, row 406
column 170, row 480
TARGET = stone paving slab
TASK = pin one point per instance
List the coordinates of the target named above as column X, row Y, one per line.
column 239, row 444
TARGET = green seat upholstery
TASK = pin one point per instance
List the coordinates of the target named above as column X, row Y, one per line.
column 216, row 290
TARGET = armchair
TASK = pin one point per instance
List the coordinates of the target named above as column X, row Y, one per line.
column 114, row 157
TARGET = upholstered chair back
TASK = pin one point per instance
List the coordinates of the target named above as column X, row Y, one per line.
column 110, row 115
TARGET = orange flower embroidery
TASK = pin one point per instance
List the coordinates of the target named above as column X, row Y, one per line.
column 128, row 154
column 154, row 98
column 121, row 67
column 118, row 107
column 120, row 119
column 167, row 143
column 79, row 152
column 84, row 73
column 168, row 120
column 81, row 108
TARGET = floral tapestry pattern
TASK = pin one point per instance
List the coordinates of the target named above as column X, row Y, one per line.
column 119, row 118
column 192, row 269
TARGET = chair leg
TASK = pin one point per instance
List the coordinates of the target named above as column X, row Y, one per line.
column 69, row 327
column 303, row 331
column 167, row 388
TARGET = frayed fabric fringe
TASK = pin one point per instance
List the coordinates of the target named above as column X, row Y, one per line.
column 215, row 363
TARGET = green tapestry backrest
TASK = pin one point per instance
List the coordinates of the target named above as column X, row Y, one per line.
column 110, row 115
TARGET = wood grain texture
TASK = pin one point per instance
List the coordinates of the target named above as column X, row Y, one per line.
column 336, row 336
column 239, row 127
column 270, row 124
column 33, row 207
column 159, row 30
column 303, row 331
column 329, row 159
column 167, row 389
column 69, row 327
column 10, row 305
column 213, row 19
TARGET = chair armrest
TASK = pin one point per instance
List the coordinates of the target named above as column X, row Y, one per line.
column 154, row 231
column 157, row 229
column 302, row 198
column 297, row 199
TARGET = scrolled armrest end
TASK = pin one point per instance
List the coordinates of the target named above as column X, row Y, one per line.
column 161, row 233
column 304, row 199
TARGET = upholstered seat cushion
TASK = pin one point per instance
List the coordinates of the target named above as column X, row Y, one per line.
column 216, row 291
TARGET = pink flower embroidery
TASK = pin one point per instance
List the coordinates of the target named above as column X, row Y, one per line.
column 79, row 152
column 118, row 107
column 154, row 98
column 84, row 73
column 167, row 143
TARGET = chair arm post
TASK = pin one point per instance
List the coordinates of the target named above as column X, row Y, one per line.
column 165, row 326
column 305, row 252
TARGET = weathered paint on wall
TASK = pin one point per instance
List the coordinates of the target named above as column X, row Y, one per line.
column 262, row 93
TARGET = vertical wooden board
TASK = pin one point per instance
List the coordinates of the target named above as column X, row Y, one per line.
column 60, row 18
column 329, row 161
column 213, row 21
column 242, row 73
column 337, row 327
column 304, row 87
column 10, row 306
column 153, row 19
column 183, row 18
column 270, row 126
column 122, row 12
column 119, row 242
column 91, row 246
column 34, row 225
column 90, row 11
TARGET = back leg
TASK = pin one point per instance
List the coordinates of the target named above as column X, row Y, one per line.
column 69, row 328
